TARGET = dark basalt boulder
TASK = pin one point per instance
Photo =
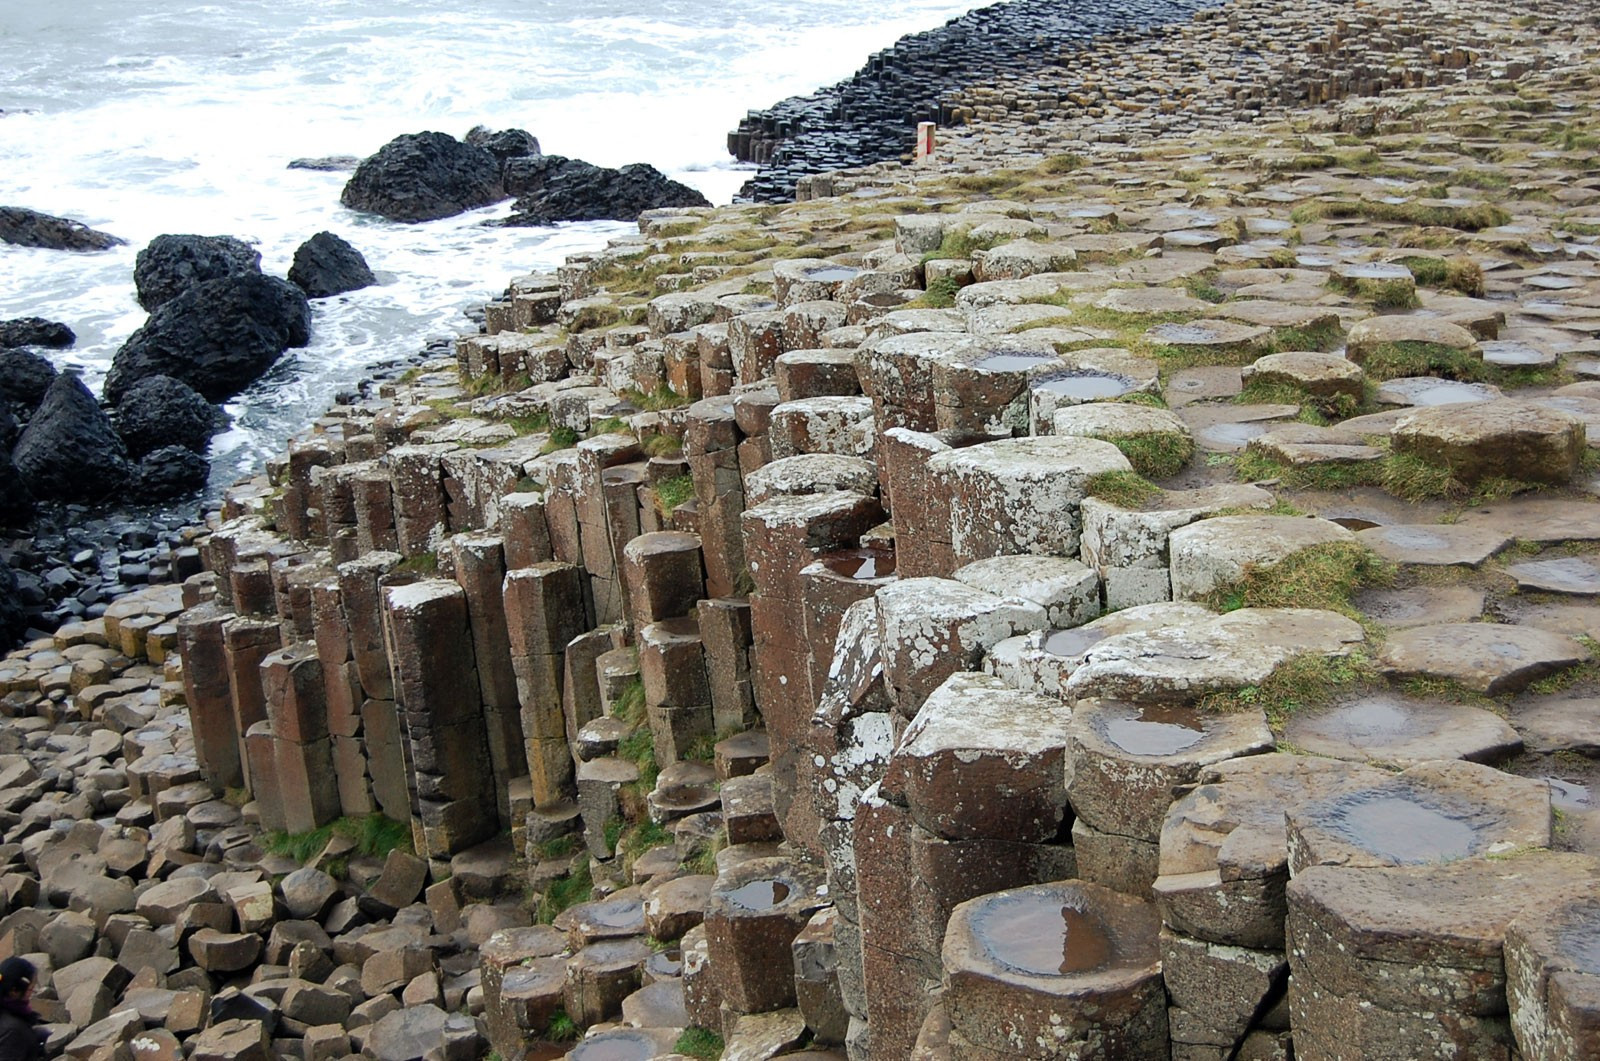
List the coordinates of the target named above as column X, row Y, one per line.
column 13, row 620
column 424, row 176
column 70, row 452
column 171, row 264
column 36, row 331
column 219, row 336
column 326, row 265
column 327, row 163
column 170, row 472
column 16, row 500
column 552, row 188
column 507, row 143
column 160, row 411
column 29, row 228
column 24, row 378
column 9, row 428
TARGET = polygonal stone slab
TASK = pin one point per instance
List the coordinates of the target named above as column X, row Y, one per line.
column 1417, row 937
column 1366, row 336
column 1056, row 970
column 1127, row 759
column 754, row 913
column 1421, row 605
column 1430, row 813
column 1319, row 375
column 1185, row 662
column 1553, row 980
column 1020, row 495
column 983, row 760
column 1558, row 725
column 1572, row 574
column 1387, row 728
column 1068, row 591
column 1214, row 553
column 1490, row 658
column 1042, row 661
column 1508, row 438
column 1428, row 391
column 1433, row 544
column 1225, row 848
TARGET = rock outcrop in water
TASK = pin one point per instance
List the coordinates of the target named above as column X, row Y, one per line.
column 70, row 451
column 36, row 331
column 551, row 188
column 326, row 265
column 218, row 336
column 171, row 264
column 423, row 177
column 159, row 411
column 22, row 227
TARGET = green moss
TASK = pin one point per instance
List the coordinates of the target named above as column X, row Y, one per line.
column 374, row 836
column 1205, row 290
column 1128, row 490
column 595, row 316
column 562, row 1028
column 1471, row 217
column 1154, row 455
column 1459, row 274
column 674, row 491
column 940, row 294
column 958, row 245
column 1404, row 359
column 1059, row 164
column 558, row 847
column 560, row 438
column 611, row 425
column 577, row 887
column 700, row 1043
column 1320, row 576
column 1302, row 682
column 663, row 397
column 424, row 564
column 1253, row 468
column 629, row 705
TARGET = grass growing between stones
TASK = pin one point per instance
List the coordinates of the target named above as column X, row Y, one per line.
column 959, row 245
column 700, row 1043
column 674, row 491
column 1459, row 274
column 1128, row 490
column 1468, row 217
column 657, row 445
column 663, row 397
column 1154, row 455
column 1322, row 576
column 1253, row 468
column 1564, row 680
column 1302, row 682
column 562, row 1028
column 425, row 565
column 1401, row 360
column 565, row 892
column 374, row 836
column 629, row 705
column 560, row 438
column 1315, row 409
column 940, row 294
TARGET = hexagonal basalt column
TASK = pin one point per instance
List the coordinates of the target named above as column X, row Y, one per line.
column 984, row 388
column 1020, row 495
column 1553, row 981
column 1054, row 971
column 663, row 575
column 1224, row 858
column 1408, row 962
column 754, row 913
column 983, row 760
column 839, row 426
column 1215, row 553
column 1126, row 761
column 1434, row 812
column 932, row 628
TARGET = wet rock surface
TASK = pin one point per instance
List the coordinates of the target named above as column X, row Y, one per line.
column 551, row 188
column 424, row 176
column 327, row 265
column 22, row 227
column 171, row 264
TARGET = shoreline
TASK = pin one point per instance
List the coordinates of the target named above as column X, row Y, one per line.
column 1078, row 519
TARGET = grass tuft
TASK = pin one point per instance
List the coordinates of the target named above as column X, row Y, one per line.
column 1128, row 490
column 1321, row 576
column 674, row 491
column 560, row 438
column 1155, row 455
column 374, row 835
column 562, row 1028
column 1302, row 682
column 577, row 887
column 700, row 1043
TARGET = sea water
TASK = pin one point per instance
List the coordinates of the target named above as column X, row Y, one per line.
column 174, row 116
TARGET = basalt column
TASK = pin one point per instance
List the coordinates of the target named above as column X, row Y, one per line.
column 217, row 743
column 480, row 571
column 544, row 613
column 307, row 788
column 782, row 535
column 441, row 714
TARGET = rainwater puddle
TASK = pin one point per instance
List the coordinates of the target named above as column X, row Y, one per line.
column 759, row 894
column 1402, row 830
column 1155, row 729
column 1040, row 935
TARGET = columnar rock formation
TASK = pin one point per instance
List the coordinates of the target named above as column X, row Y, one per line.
column 1150, row 615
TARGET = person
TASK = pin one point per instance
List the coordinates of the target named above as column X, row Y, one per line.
column 21, row 1035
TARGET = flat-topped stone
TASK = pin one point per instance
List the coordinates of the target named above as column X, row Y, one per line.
column 1227, row 342
column 1319, row 375
column 1490, row 658
column 1067, row 590
column 1214, row 554
column 1127, row 759
column 1433, row 544
column 1224, row 856
column 1367, row 336
column 810, row 473
column 1506, row 438
column 1069, row 969
column 1559, row 724
column 1389, row 728
column 1572, row 574
column 1428, row 391
column 1433, row 812
column 1149, row 301
column 1020, row 495
column 1409, row 961
column 1188, row 661
column 1156, row 442
column 1544, row 521
column 1552, row 968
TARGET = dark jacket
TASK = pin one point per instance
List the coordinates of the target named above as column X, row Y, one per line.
column 19, row 1040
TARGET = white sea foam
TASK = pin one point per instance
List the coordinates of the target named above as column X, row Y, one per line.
column 180, row 117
